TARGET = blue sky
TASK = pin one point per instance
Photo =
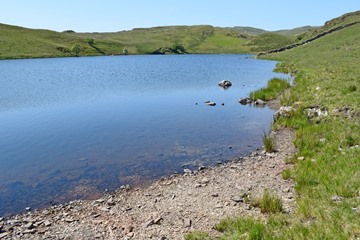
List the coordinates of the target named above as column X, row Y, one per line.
column 116, row 15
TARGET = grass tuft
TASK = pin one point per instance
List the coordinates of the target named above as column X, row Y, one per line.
column 286, row 174
column 268, row 143
column 274, row 87
column 197, row 235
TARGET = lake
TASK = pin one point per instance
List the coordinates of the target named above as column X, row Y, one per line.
column 75, row 127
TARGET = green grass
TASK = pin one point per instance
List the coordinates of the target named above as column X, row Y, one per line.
column 268, row 143
column 268, row 203
column 286, row 174
column 17, row 42
column 327, row 76
column 274, row 87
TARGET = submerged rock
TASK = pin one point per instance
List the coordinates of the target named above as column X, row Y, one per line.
column 260, row 102
column 209, row 103
column 245, row 101
column 225, row 84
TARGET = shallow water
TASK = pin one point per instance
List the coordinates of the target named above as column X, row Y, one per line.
column 73, row 127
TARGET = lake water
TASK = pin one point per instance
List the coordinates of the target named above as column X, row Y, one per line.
column 72, row 127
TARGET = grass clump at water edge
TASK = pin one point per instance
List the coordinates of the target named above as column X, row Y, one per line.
column 274, row 87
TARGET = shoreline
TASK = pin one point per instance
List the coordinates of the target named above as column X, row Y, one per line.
column 169, row 207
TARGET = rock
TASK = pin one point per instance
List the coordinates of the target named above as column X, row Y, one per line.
column 205, row 180
column 316, row 112
column 29, row 225
column 29, row 231
column 214, row 194
column 209, row 103
column 260, row 102
column 127, row 229
column 245, row 101
column 187, row 222
column 69, row 220
column 284, row 111
column 188, row 171
column 225, row 84
column 99, row 201
column 300, row 158
column 4, row 234
column 201, row 168
column 47, row 223
column 110, row 202
column 158, row 220
column 148, row 223
column 336, row 198
column 104, row 209
column 14, row 222
column 237, row 199
column 28, row 209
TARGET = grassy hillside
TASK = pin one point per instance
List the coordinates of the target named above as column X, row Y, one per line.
column 17, row 42
column 326, row 169
column 336, row 22
column 296, row 31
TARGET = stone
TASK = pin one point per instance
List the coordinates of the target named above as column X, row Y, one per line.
column 29, row 231
column 69, row 220
column 225, row 84
column 101, row 200
column 284, row 111
column 244, row 101
column 336, row 198
column 260, row 102
column 4, row 234
column 187, row 222
column 127, row 229
column 104, row 209
column 237, row 199
column 301, row 158
column 47, row 223
column 215, row 195
column 14, row 222
column 205, row 180
column 148, row 223
column 209, row 103
column 316, row 112
column 29, row 225
column 158, row 220
column 28, row 209
column 188, row 171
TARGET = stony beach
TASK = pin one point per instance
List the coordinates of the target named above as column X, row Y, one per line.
column 169, row 207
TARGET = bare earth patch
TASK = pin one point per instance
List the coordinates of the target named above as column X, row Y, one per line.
column 169, row 207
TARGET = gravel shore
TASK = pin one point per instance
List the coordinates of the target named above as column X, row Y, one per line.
column 169, row 207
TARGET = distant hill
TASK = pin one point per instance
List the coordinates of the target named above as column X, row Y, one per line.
column 250, row 30
column 295, row 31
column 286, row 32
column 18, row 42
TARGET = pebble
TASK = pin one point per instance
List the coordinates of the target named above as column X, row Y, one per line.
column 301, row 158
column 148, row 223
column 47, row 223
column 205, row 180
column 188, row 171
column 336, row 198
column 237, row 199
column 4, row 234
column 187, row 222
